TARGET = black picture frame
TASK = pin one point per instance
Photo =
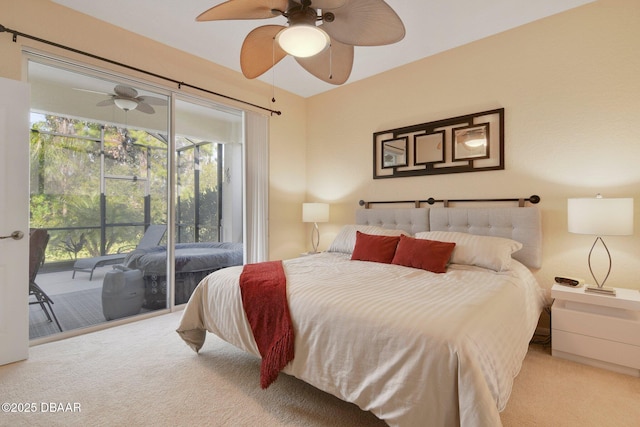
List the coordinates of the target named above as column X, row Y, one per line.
column 431, row 146
column 471, row 142
column 394, row 152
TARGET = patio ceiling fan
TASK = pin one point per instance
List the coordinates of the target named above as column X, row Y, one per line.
column 320, row 34
column 126, row 98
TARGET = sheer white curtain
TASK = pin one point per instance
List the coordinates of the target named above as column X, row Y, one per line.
column 257, row 187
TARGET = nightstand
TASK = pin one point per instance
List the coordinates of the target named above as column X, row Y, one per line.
column 597, row 330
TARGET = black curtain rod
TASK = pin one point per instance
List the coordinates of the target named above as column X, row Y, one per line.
column 110, row 61
column 532, row 199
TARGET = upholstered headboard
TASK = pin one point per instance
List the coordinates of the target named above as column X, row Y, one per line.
column 522, row 224
column 411, row 220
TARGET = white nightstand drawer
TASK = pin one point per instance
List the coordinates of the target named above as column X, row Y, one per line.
column 598, row 322
column 596, row 348
column 598, row 330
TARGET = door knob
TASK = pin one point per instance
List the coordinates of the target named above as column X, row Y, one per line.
column 16, row 235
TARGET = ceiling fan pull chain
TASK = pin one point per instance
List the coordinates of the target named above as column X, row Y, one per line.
column 331, row 61
column 273, row 70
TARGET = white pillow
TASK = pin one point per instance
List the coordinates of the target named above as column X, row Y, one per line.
column 489, row 252
column 345, row 241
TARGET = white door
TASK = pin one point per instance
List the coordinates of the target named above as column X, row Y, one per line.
column 14, row 217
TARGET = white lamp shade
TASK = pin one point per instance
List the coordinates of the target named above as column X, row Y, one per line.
column 303, row 40
column 315, row 212
column 125, row 104
column 600, row 216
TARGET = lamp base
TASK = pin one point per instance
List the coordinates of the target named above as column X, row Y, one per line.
column 602, row 290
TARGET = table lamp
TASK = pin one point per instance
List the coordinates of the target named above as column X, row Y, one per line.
column 315, row 213
column 600, row 216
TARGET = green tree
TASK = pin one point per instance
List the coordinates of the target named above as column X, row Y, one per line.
column 65, row 170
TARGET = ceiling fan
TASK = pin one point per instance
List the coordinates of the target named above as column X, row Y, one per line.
column 126, row 98
column 320, row 34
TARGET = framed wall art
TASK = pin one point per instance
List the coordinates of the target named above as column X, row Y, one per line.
column 470, row 143
column 394, row 152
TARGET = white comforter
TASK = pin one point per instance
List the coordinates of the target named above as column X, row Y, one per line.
column 413, row 347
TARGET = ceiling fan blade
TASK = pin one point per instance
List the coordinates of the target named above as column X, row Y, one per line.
column 327, row 4
column 260, row 51
column 332, row 65
column 145, row 108
column 91, row 91
column 243, row 9
column 105, row 102
column 125, row 91
column 152, row 100
column 365, row 23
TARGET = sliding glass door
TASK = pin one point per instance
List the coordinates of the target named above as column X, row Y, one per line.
column 98, row 189
column 104, row 166
column 209, row 196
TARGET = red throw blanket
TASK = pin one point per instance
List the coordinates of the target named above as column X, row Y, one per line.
column 264, row 297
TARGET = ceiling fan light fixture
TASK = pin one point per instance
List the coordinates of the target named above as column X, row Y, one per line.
column 125, row 103
column 303, row 40
column 474, row 138
column 474, row 143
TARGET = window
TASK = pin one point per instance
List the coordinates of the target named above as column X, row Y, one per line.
column 101, row 174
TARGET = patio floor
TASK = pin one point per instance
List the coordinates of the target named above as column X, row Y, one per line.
column 77, row 302
column 60, row 282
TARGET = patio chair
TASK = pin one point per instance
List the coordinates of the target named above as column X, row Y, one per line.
column 38, row 240
column 151, row 238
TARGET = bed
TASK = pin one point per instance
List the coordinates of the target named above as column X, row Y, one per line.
column 193, row 262
column 405, row 343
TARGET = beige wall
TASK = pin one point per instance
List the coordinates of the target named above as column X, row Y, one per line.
column 570, row 86
column 50, row 21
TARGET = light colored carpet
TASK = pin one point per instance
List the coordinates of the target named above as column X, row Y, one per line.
column 550, row 391
column 142, row 374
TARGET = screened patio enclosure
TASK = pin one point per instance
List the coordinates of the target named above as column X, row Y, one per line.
column 95, row 187
column 117, row 189
column 101, row 174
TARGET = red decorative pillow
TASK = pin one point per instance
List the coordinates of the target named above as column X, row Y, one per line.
column 429, row 255
column 374, row 248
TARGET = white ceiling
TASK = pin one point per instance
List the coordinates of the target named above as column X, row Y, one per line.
column 432, row 26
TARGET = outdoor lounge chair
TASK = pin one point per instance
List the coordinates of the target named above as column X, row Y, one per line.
column 38, row 240
column 151, row 238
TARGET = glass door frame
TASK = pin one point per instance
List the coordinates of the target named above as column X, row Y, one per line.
column 96, row 72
